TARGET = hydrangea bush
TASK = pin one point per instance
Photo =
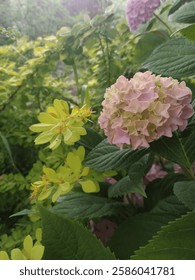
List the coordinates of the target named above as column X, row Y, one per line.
column 114, row 169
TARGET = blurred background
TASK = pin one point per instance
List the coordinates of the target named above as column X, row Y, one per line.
column 36, row 18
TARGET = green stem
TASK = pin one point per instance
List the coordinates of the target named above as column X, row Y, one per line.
column 76, row 77
column 108, row 58
column 164, row 23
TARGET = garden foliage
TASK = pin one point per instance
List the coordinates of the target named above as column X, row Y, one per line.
column 114, row 143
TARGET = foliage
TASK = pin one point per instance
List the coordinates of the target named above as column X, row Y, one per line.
column 69, row 178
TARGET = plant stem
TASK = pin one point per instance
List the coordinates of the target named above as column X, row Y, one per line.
column 164, row 23
column 76, row 77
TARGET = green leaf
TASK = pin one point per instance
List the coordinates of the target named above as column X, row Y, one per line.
column 65, row 239
column 161, row 188
column 138, row 169
column 173, row 149
column 8, row 149
column 185, row 14
column 81, row 205
column 174, row 242
column 137, row 230
column 166, row 61
column 107, row 157
column 177, row 5
column 185, row 192
column 189, row 146
column 23, row 212
column 189, row 32
column 125, row 186
column 147, row 43
column 91, row 139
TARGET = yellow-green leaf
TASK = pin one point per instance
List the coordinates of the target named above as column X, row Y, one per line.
column 89, row 186
column 37, row 252
column 16, row 254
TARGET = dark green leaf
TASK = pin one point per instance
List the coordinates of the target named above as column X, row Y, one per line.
column 174, row 58
column 82, row 205
column 185, row 192
column 189, row 146
column 147, row 44
column 24, row 212
column 172, row 149
column 91, row 139
column 137, row 230
column 107, row 157
column 161, row 188
column 185, row 14
column 177, row 5
column 174, row 242
column 138, row 169
column 65, row 239
column 125, row 186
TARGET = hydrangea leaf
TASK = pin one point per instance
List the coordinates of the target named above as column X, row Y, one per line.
column 82, row 205
column 173, row 242
column 174, row 150
column 66, row 239
column 185, row 192
column 185, row 14
column 137, row 230
column 125, row 186
column 106, row 157
column 166, row 61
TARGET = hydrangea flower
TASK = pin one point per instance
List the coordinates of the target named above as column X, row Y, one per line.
column 138, row 12
column 57, row 124
column 144, row 108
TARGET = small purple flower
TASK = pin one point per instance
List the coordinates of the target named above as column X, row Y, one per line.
column 140, row 11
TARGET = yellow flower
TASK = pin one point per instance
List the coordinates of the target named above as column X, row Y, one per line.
column 30, row 251
column 57, row 124
column 62, row 181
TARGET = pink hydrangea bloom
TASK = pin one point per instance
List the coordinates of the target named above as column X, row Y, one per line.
column 140, row 11
column 144, row 108
column 155, row 172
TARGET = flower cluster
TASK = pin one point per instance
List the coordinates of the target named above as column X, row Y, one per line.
column 57, row 124
column 30, row 251
column 144, row 108
column 57, row 183
column 138, row 12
